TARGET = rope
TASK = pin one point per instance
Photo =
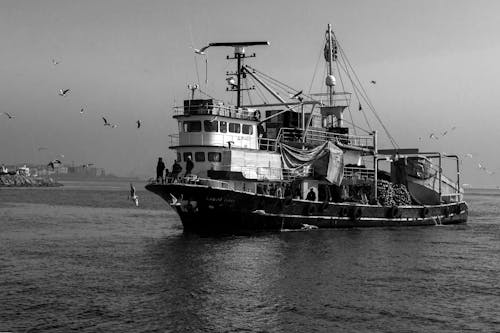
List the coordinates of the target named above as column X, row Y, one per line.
column 343, row 89
column 365, row 97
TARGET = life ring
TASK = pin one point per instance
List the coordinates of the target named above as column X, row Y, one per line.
column 256, row 115
column 356, row 213
column 394, row 212
column 425, row 212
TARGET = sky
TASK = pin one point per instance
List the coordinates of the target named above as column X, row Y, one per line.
column 435, row 64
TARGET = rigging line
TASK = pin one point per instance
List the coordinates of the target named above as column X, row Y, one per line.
column 367, row 99
column 259, row 91
column 248, row 92
column 197, row 72
column 370, row 106
column 343, row 89
column 192, row 46
column 355, row 92
column 360, row 128
column 315, row 71
column 276, row 82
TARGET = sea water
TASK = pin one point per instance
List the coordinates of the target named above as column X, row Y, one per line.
column 83, row 258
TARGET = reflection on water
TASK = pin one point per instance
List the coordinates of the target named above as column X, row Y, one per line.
column 86, row 259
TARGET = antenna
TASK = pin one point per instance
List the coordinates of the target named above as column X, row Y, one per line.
column 239, row 55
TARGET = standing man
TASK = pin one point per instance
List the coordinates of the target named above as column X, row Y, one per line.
column 159, row 170
column 189, row 166
column 176, row 170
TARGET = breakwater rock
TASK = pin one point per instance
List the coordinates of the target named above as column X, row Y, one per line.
column 26, row 181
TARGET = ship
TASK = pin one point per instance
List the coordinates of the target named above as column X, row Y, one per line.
column 292, row 161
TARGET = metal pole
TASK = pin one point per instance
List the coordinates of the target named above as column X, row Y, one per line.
column 237, row 54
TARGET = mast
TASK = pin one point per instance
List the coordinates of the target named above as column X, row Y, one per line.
column 330, row 53
column 331, row 90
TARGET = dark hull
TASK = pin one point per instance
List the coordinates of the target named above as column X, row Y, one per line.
column 204, row 209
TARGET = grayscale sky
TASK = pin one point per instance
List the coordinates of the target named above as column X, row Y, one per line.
column 435, row 63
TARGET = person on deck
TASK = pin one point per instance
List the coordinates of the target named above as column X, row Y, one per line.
column 176, row 170
column 311, row 196
column 159, row 170
column 189, row 166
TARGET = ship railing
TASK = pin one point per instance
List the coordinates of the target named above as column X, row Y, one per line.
column 318, row 136
column 259, row 173
column 299, row 172
column 195, row 180
column 357, row 173
column 268, row 144
column 217, row 110
column 174, row 139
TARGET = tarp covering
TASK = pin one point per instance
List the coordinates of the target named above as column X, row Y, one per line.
column 326, row 160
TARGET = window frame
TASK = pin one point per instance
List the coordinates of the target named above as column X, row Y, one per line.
column 188, row 126
column 250, row 129
column 238, row 127
column 210, row 125
column 211, row 155
column 196, row 154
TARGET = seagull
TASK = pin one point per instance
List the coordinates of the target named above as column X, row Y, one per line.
column 55, row 62
column 8, row 115
column 54, row 163
column 360, row 108
column 138, row 123
column 373, row 82
column 444, row 133
column 133, row 196
column 106, row 123
column 63, row 92
column 297, row 96
column 201, row 51
column 81, row 110
column 433, row 136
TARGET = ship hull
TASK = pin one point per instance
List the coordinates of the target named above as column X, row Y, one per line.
column 208, row 210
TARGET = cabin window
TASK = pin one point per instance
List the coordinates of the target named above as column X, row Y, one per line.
column 214, row 157
column 247, row 129
column 199, row 156
column 186, row 155
column 234, row 128
column 211, row 125
column 223, row 126
column 192, row 126
column 179, row 157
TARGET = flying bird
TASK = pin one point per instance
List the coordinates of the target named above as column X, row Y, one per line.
column 81, row 110
column 63, row 92
column 468, row 155
column 201, row 51
column 55, row 62
column 360, row 108
column 107, row 123
column 88, row 165
column 8, row 115
column 373, row 82
column 297, row 96
column 54, row 163
column 433, row 136
column 138, row 122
